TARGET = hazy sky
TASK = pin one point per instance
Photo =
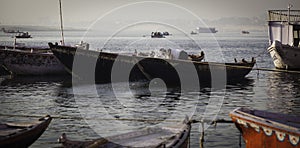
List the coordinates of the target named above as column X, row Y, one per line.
column 83, row 12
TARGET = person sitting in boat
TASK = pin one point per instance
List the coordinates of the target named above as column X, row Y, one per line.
column 252, row 60
column 177, row 54
column 197, row 57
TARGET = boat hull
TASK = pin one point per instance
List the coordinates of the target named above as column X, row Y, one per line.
column 258, row 131
column 25, row 137
column 146, row 68
column 31, row 63
column 176, row 136
column 285, row 56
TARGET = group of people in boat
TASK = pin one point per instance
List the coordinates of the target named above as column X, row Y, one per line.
column 172, row 54
column 157, row 35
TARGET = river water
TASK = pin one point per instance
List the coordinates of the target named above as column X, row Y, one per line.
column 90, row 111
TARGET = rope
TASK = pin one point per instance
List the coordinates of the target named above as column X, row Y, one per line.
column 201, row 140
column 141, row 68
column 258, row 55
column 119, row 119
column 277, row 70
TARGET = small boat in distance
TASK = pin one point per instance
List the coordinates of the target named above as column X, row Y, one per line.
column 206, row 30
column 193, row 33
column 176, row 136
column 10, row 31
column 266, row 129
column 166, row 33
column 15, row 135
column 23, row 35
column 157, row 35
column 245, row 32
column 284, row 30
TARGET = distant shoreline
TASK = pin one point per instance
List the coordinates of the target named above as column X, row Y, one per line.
column 38, row 28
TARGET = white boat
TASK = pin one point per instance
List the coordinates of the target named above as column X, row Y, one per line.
column 284, row 28
column 206, row 30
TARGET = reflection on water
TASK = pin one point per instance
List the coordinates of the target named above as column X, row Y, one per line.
column 37, row 96
column 284, row 92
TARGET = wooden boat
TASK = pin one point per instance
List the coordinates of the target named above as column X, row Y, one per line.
column 284, row 29
column 144, row 68
column 16, row 135
column 26, row 61
column 245, row 32
column 175, row 137
column 3, row 54
column 27, row 48
column 266, row 129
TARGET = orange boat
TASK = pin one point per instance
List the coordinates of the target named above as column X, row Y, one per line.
column 266, row 129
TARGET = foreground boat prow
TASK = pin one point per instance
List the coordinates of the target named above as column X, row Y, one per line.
column 16, row 135
column 266, row 129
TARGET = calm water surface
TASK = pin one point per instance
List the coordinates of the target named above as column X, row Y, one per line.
column 82, row 112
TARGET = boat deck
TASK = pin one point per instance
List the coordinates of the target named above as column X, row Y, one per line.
column 280, row 121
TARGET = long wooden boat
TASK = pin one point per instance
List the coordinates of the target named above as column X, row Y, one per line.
column 167, row 137
column 31, row 62
column 17, row 135
column 266, row 129
column 145, row 68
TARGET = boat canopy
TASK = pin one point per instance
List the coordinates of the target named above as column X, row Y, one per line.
column 284, row 26
column 283, row 15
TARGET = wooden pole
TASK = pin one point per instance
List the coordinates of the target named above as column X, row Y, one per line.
column 61, row 24
column 289, row 8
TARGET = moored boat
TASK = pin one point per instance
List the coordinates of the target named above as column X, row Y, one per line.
column 176, row 136
column 266, row 129
column 16, row 135
column 145, row 68
column 31, row 62
column 284, row 29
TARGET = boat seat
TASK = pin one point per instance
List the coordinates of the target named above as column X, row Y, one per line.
column 22, row 125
